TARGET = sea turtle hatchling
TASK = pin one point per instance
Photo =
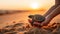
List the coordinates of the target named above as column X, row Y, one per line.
column 36, row 18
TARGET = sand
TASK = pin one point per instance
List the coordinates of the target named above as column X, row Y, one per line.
column 18, row 24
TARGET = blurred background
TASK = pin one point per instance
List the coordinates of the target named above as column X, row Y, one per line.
column 18, row 10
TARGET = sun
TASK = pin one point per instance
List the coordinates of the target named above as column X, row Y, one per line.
column 34, row 5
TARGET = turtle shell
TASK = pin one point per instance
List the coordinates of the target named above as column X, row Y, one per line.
column 38, row 17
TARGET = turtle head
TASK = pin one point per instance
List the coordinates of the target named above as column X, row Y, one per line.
column 30, row 16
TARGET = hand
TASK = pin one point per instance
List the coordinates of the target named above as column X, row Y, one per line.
column 38, row 24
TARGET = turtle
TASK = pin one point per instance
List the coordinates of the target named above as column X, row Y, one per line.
column 36, row 18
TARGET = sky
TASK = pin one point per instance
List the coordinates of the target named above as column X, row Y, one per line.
column 24, row 4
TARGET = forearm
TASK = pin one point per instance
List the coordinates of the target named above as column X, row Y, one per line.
column 50, row 10
column 54, row 13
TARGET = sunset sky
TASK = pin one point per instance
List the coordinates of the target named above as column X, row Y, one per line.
column 25, row 4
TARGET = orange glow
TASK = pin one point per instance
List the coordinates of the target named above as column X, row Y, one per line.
column 34, row 5
column 24, row 4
